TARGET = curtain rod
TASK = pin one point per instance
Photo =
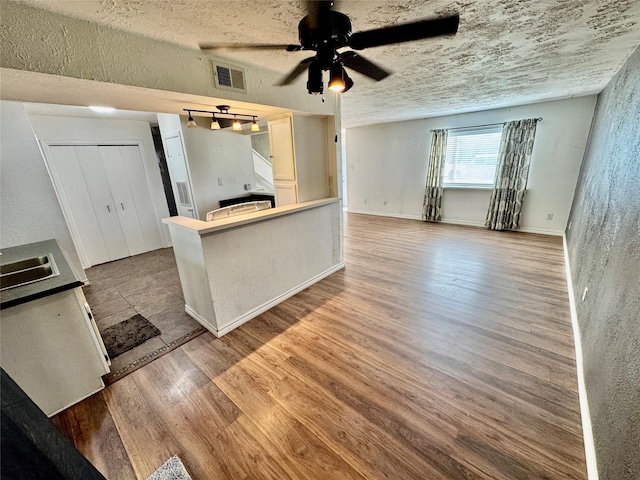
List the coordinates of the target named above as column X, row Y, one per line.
column 539, row 119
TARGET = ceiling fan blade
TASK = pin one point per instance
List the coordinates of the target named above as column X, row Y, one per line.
column 362, row 65
column 250, row 46
column 405, row 32
column 296, row 72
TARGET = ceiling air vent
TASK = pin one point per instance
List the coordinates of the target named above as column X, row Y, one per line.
column 229, row 78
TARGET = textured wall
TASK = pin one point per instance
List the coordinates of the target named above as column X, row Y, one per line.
column 30, row 210
column 604, row 254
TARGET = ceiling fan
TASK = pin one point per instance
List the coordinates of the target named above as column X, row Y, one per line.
column 325, row 31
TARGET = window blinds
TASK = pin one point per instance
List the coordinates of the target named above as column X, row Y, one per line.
column 472, row 156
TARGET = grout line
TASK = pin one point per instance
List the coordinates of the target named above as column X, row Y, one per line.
column 587, row 431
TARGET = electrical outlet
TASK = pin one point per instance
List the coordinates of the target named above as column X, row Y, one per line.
column 220, row 181
column 584, row 294
column 384, row 203
column 549, row 216
column 365, row 200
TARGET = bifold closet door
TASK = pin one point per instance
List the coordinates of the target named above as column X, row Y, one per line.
column 78, row 170
column 121, row 186
column 106, row 190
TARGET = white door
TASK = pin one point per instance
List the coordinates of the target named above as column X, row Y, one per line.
column 107, row 202
column 180, row 177
column 74, row 195
column 104, row 206
column 118, row 183
column 281, row 143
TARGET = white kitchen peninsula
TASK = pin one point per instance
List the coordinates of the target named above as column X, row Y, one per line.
column 234, row 269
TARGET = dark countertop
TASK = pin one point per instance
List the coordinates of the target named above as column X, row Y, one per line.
column 43, row 288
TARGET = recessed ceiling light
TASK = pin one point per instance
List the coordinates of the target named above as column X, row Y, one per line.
column 102, row 109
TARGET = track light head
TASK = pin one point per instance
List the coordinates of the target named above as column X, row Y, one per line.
column 254, row 125
column 191, row 123
column 215, row 125
column 236, row 124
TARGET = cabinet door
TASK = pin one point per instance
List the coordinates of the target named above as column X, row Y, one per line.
column 282, row 149
column 116, row 176
column 286, row 194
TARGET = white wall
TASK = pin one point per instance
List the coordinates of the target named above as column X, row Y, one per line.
column 387, row 165
column 29, row 208
column 212, row 154
column 56, row 130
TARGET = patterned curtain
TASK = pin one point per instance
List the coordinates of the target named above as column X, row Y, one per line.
column 432, row 206
column 505, row 207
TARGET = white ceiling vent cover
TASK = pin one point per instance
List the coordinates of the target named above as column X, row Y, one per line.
column 229, row 78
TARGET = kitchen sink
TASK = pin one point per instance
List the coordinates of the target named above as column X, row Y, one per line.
column 29, row 270
column 24, row 264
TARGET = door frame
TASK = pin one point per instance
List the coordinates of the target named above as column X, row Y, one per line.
column 45, row 147
column 169, row 136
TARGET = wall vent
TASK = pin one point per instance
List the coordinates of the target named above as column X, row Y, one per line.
column 229, row 78
column 183, row 195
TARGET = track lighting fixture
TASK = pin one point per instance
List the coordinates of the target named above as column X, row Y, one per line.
column 222, row 119
column 214, row 122
column 191, row 123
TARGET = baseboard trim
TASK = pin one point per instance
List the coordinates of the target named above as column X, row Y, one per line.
column 382, row 214
column 539, row 231
column 466, row 224
column 218, row 332
column 587, row 431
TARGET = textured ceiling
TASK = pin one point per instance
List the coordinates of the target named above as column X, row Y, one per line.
column 506, row 52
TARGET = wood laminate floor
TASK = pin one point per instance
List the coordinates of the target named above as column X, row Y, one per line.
column 439, row 352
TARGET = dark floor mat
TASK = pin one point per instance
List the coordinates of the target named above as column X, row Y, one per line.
column 128, row 334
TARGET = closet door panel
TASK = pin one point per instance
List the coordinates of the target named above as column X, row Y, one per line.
column 103, row 202
column 76, row 195
column 138, row 183
column 125, row 206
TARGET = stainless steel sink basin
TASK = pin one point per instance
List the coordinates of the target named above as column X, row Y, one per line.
column 27, row 271
column 24, row 264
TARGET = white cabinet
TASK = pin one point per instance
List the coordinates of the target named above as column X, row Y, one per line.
column 51, row 348
column 299, row 154
column 105, row 196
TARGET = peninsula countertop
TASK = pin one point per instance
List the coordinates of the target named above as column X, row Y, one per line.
column 204, row 228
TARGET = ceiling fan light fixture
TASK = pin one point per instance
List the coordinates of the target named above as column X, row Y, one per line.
column 215, row 125
column 314, row 84
column 191, row 123
column 348, row 83
column 236, row 124
column 336, row 81
column 254, row 125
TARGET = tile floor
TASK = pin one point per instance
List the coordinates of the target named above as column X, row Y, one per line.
column 147, row 284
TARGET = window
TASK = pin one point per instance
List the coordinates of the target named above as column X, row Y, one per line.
column 472, row 156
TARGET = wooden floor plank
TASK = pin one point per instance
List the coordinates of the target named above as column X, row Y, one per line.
column 440, row 352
